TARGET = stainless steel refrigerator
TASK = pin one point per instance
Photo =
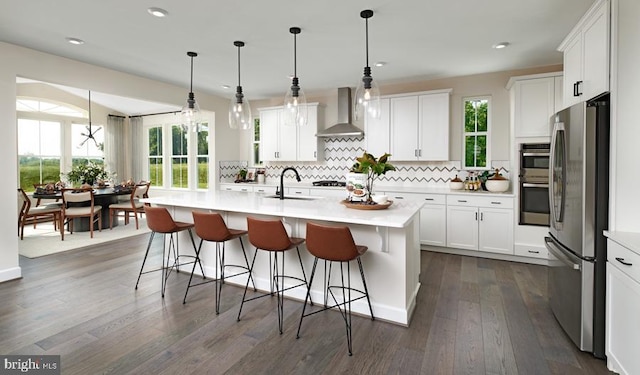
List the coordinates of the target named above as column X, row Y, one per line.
column 578, row 200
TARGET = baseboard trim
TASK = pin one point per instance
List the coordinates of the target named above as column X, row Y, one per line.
column 10, row 274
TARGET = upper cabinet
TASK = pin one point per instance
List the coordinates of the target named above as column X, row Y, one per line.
column 534, row 100
column 279, row 142
column 411, row 127
column 586, row 56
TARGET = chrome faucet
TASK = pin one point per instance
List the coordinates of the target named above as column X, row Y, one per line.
column 281, row 191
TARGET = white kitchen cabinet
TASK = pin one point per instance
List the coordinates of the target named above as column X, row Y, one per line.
column 480, row 223
column 534, row 103
column 419, row 126
column 622, row 309
column 433, row 216
column 279, row 142
column 376, row 131
column 404, row 128
column 586, row 56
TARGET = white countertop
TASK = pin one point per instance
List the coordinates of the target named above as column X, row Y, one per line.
column 630, row 240
column 398, row 215
column 399, row 189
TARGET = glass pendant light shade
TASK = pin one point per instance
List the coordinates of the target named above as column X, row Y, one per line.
column 295, row 102
column 239, row 108
column 367, row 100
column 191, row 110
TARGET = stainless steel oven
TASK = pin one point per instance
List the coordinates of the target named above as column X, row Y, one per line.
column 534, row 184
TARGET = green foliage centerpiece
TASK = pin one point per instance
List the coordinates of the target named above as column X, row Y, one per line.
column 372, row 168
column 87, row 173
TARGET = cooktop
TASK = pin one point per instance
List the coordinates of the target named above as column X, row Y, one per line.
column 329, row 183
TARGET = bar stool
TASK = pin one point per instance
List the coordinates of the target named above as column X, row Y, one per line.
column 159, row 220
column 211, row 227
column 271, row 236
column 335, row 244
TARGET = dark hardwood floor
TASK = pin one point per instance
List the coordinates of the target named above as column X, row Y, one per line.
column 474, row 316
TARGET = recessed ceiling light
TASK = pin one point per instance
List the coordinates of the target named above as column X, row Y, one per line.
column 226, row 87
column 380, row 63
column 75, row 41
column 157, row 12
column 501, row 45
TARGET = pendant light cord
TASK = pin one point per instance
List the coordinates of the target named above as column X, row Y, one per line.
column 191, row 82
column 295, row 54
column 366, row 28
column 89, row 112
column 238, row 65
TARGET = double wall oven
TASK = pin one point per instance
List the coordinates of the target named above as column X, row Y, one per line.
column 534, row 184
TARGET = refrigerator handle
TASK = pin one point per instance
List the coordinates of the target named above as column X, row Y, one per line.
column 556, row 217
column 558, row 253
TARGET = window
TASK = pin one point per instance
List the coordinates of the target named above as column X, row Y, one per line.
column 155, row 155
column 39, row 152
column 203, row 156
column 256, row 142
column 32, row 105
column 477, row 122
column 179, row 157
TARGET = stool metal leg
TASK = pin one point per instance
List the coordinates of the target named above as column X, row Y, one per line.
column 244, row 295
column 192, row 271
column 366, row 291
column 304, row 307
column 145, row 257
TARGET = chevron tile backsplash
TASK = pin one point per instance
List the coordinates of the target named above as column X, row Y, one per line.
column 341, row 153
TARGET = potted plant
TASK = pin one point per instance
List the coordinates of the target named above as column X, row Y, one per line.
column 371, row 168
column 87, row 173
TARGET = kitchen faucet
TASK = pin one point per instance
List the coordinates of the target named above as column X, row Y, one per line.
column 281, row 192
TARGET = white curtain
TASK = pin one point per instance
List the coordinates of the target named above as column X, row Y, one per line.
column 116, row 147
column 139, row 150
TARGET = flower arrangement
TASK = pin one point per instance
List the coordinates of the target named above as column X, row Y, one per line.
column 87, row 173
column 372, row 167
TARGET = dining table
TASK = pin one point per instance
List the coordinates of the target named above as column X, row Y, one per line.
column 102, row 196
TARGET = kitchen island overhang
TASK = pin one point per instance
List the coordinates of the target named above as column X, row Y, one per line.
column 391, row 266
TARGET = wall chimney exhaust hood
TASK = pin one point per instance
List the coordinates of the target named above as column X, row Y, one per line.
column 344, row 127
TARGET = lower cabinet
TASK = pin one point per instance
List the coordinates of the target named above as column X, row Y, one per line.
column 433, row 216
column 622, row 309
column 480, row 223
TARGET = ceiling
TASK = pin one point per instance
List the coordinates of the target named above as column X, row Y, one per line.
column 417, row 39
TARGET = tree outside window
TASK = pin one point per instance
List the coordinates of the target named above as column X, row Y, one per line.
column 155, row 156
column 179, row 157
column 476, row 133
column 203, row 156
column 39, row 151
column 256, row 142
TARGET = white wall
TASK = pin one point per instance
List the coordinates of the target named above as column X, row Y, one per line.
column 24, row 62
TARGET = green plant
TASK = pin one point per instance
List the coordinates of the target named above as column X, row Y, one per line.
column 87, row 173
column 372, row 167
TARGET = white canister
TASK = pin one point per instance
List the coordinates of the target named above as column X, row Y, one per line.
column 261, row 178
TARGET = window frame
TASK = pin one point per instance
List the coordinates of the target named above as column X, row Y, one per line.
column 255, row 144
column 486, row 133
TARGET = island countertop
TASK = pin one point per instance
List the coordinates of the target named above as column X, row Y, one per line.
column 398, row 215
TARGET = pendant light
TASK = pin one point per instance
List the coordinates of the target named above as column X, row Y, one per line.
column 191, row 110
column 90, row 133
column 295, row 103
column 367, row 101
column 239, row 109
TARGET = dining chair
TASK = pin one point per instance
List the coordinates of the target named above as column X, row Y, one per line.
column 39, row 200
column 132, row 205
column 28, row 213
column 80, row 203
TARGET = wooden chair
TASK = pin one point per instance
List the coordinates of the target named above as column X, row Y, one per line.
column 73, row 211
column 132, row 205
column 38, row 201
column 26, row 213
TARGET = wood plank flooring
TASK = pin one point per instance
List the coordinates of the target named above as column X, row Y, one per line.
column 474, row 316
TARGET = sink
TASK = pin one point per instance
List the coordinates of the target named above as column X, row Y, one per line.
column 299, row 197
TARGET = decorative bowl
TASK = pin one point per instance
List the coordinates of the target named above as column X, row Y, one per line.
column 497, row 186
column 456, row 185
column 380, row 199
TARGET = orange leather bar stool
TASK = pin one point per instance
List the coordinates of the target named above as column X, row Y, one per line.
column 211, row 227
column 271, row 236
column 335, row 244
column 159, row 220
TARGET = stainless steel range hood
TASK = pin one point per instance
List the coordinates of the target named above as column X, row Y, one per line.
column 344, row 127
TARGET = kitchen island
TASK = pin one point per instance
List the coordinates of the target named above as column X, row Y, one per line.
column 391, row 265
